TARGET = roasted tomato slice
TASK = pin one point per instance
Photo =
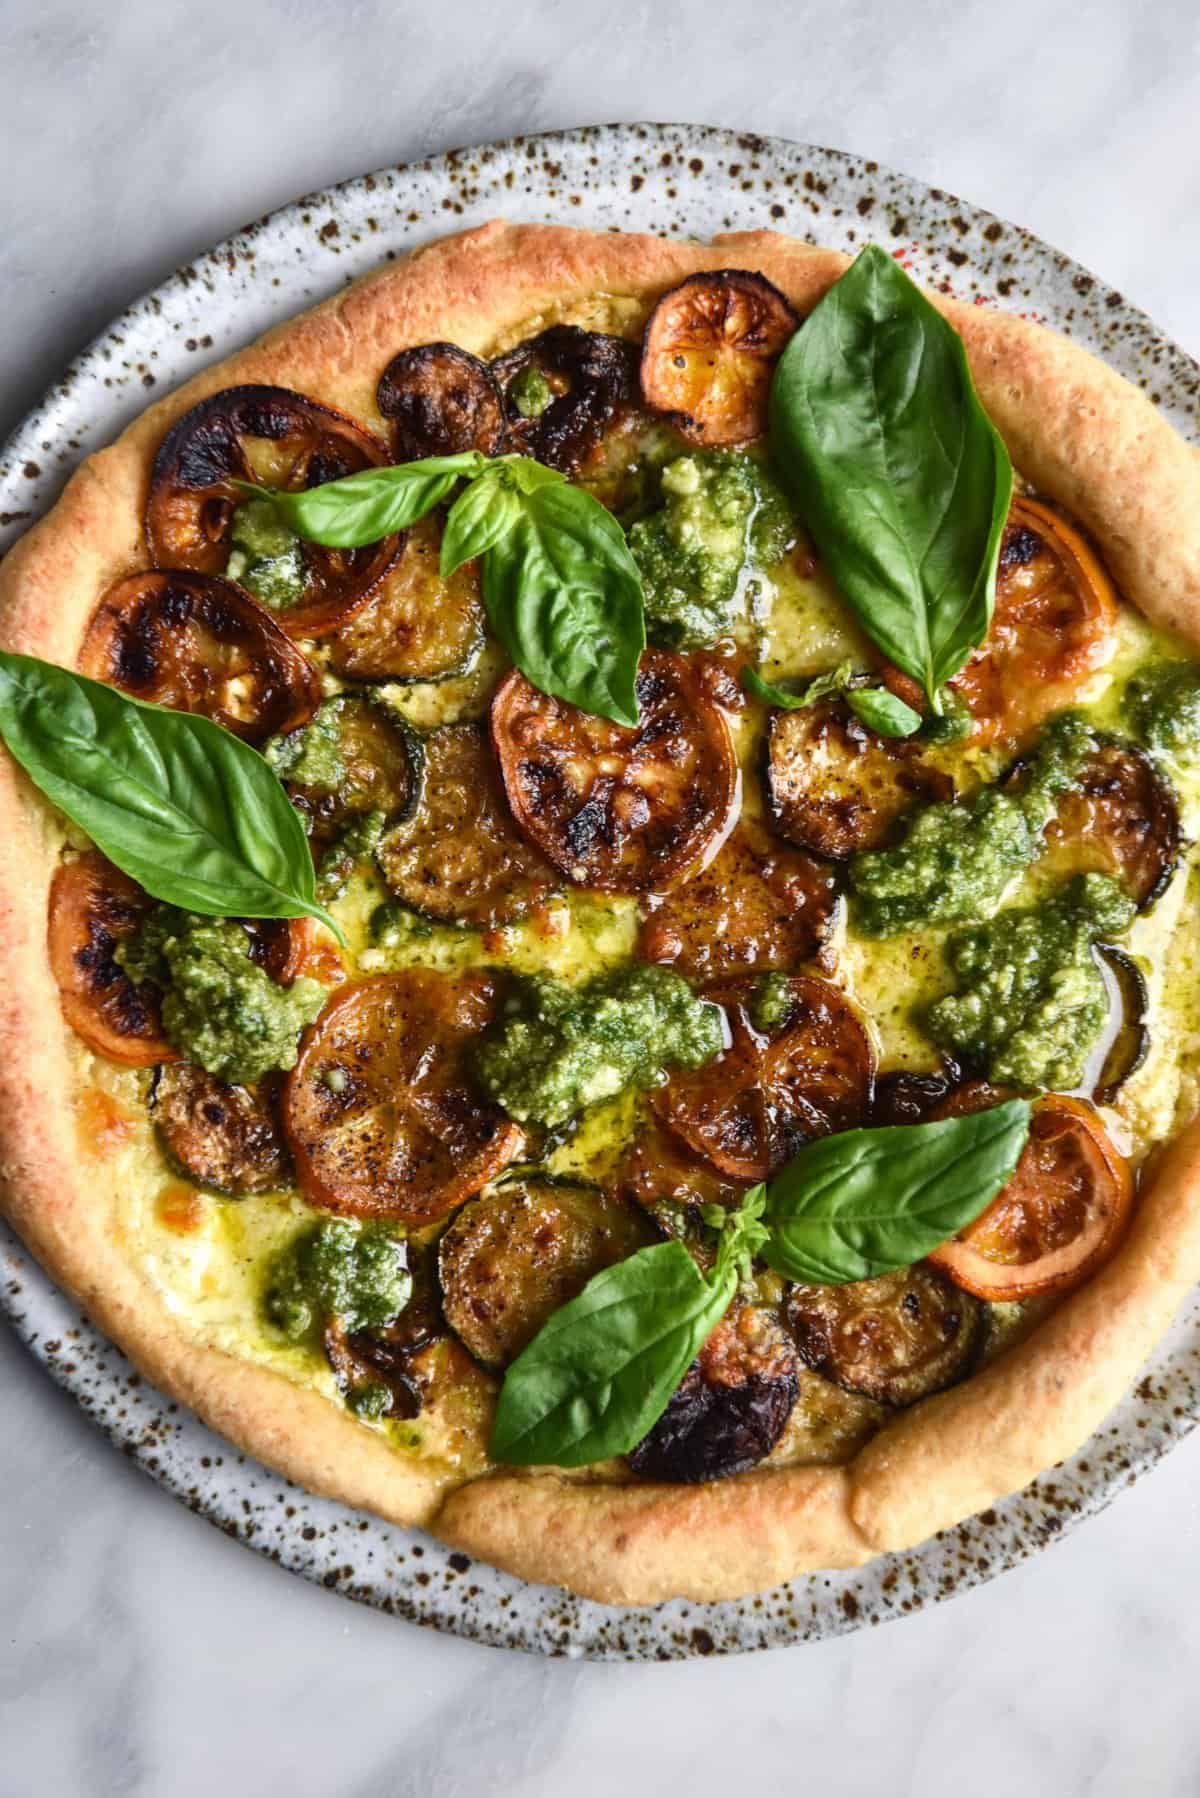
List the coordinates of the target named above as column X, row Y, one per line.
column 589, row 384
column 774, row 1088
column 93, row 906
column 415, row 626
column 672, row 1186
column 731, row 1406
column 380, row 1110
column 197, row 643
column 1121, row 819
column 227, row 1138
column 1059, row 1218
column 617, row 808
column 1053, row 624
column 709, row 353
column 441, row 401
column 516, row 1254
column 754, row 906
column 459, row 857
column 897, row 1338
column 835, row 787
column 279, row 439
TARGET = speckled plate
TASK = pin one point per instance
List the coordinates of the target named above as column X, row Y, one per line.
column 685, row 180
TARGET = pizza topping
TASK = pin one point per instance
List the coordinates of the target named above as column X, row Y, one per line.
column 458, row 856
column 353, row 760
column 195, row 643
column 198, row 518
column 802, row 1070
column 754, row 906
column 709, row 353
column 94, row 908
column 337, row 1269
column 1120, row 818
column 1161, row 706
column 731, row 1406
column 415, row 626
column 896, row 1338
column 1061, row 1215
column 836, row 787
column 620, row 808
column 380, row 1110
column 225, row 1138
column 1125, row 1042
column 558, row 1049
column 673, row 1187
column 514, row 1255
column 441, row 400
column 563, row 390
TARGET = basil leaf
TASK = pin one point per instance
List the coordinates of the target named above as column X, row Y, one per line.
column 361, row 508
column 483, row 513
column 822, row 686
column 900, row 475
column 565, row 598
column 602, row 1370
column 191, row 812
column 867, row 1201
column 883, row 712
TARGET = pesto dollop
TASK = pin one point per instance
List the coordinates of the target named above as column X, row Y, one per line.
column 770, row 1002
column 723, row 519
column 559, row 1048
column 219, row 1008
column 957, row 857
column 530, row 392
column 338, row 1268
column 312, row 755
column 1033, row 1001
column 266, row 558
column 1161, row 707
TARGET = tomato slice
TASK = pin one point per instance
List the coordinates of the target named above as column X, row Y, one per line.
column 227, row 1138
column 441, row 401
column 895, row 1339
column 618, row 808
column 774, row 1088
column 592, row 382
column 197, row 643
column 755, row 906
column 1059, row 1218
column 1121, row 819
column 279, row 439
column 93, row 907
column 379, row 1109
column 415, row 626
column 709, row 352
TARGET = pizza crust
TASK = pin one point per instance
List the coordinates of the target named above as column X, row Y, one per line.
column 1079, row 433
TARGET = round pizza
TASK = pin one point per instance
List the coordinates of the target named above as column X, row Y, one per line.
column 597, row 889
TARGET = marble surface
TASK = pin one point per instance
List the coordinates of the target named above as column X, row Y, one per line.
column 140, row 1651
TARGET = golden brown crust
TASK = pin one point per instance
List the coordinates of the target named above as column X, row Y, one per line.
column 1080, row 434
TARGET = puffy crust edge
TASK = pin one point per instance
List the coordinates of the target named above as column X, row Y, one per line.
column 1081, row 434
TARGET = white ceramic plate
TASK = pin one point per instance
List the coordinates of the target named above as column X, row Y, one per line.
column 682, row 180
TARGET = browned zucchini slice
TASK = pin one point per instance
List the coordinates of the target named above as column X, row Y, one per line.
column 709, row 353
column 441, row 401
column 753, row 907
column 227, row 1138
column 396, row 1355
column 279, row 439
column 197, row 643
column 835, row 787
column 589, row 381
column 1125, row 1044
column 896, row 1338
column 93, row 907
column 904, row 1096
column 415, row 626
column 1121, row 819
column 381, row 1113
column 775, row 1087
column 382, row 761
column 459, row 857
column 520, row 1251
column 731, row 1406
column 618, row 808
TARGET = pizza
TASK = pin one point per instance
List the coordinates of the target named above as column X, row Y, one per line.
column 597, row 894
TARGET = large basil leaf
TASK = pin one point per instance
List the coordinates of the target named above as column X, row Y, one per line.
column 193, row 814
column 565, row 598
column 900, row 475
column 867, row 1201
column 361, row 508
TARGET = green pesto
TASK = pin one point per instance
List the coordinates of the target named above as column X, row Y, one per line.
column 770, row 1002
column 392, row 923
column 558, row 1049
column 219, row 1008
column 338, row 1268
column 957, row 858
column 266, row 557
column 530, row 392
column 353, row 845
column 1161, row 707
column 723, row 519
column 1032, row 1001
column 952, row 723
column 312, row 756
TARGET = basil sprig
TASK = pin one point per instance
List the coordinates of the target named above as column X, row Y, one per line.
column 192, row 813
column 600, row 1373
column 562, row 590
column 901, row 477
column 880, row 710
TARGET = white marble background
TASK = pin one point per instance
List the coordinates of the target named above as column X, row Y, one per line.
column 140, row 1651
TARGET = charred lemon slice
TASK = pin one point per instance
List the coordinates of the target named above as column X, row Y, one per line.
column 93, row 907
column 564, row 390
column 709, row 353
